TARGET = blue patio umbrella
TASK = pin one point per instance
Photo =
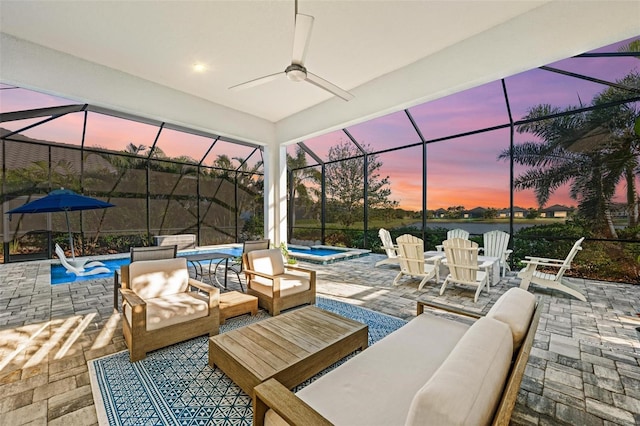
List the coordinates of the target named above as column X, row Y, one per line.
column 61, row 200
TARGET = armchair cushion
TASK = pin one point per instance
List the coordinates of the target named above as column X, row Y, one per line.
column 290, row 283
column 268, row 262
column 172, row 309
column 157, row 278
column 515, row 309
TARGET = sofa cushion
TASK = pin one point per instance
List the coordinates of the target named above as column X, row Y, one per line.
column 268, row 262
column 172, row 309
column 156, row 278
column 467, row 387
column 290, row 283
column 515, row 308
column 376, row 386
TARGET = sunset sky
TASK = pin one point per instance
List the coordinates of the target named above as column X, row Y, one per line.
column 462, row 171
column 466, row 171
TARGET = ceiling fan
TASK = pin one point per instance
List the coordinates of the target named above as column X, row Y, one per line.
column 297, row 71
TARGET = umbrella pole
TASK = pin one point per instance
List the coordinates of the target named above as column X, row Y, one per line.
column 73, row 252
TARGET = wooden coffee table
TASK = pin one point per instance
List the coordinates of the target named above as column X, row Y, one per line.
column 291, row 347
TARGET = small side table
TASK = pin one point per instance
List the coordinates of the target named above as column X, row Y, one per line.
column 234, row 303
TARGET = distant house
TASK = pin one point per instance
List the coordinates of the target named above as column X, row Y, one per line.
column 476, row 213
column 518, row 212
column 440, row 213
column 557, row 211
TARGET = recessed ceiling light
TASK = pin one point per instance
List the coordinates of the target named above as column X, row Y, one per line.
column 199, row 67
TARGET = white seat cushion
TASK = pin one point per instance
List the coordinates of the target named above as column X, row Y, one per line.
column 156, row 278
column 467, row 387
column 290, row 283
column 377, row 385
column 172, row 309
column 515, row 308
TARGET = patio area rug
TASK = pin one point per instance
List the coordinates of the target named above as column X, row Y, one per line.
column 175, row 385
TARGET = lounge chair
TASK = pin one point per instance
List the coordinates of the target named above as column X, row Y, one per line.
column 389, row 248
column 80, row 267
column 413, row 262
column 462, row 260
column 496, row 244
column 530, row 274
column 454, row 233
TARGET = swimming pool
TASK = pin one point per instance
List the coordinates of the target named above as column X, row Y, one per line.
column 59, row 274
column 316, row 254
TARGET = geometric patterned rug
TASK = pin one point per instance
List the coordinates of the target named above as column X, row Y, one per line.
column 176, row 386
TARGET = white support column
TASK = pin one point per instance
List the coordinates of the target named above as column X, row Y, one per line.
column 275, row 194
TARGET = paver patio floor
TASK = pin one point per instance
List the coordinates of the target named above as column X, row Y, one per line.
column 584, row 367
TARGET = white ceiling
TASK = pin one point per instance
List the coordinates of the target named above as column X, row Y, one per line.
column 137, row 56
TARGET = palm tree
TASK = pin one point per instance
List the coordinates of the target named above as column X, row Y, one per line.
column 551, row 166
column 621, row 147
column 134, row 158
column 250, row 202
column 298, row 190
column 236, row 171
column 591, row 151
column 167, row 172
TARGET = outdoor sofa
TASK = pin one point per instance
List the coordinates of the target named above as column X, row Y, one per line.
column 434, row 370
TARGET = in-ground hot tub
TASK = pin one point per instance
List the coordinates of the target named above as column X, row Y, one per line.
column 324, row 254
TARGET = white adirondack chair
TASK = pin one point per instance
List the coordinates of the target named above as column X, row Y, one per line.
column 530, row 274
column 413, row 263
column 454, row 233
column 496, row 244
column 462, row 260
column 390, row 248
column 80, row 267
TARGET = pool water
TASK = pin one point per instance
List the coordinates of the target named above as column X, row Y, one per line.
column 59, row 274
column 233, row 251
column 324, row 254
column 315, row 251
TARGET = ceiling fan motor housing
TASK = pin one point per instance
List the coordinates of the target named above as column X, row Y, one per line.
column 296, row 72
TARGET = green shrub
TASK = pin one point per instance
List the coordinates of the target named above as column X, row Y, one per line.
column 553, row 240
column 599, row 260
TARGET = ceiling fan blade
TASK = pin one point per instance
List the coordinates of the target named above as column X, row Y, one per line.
column 328, row 86
column 257, row 81
column 301, row 37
